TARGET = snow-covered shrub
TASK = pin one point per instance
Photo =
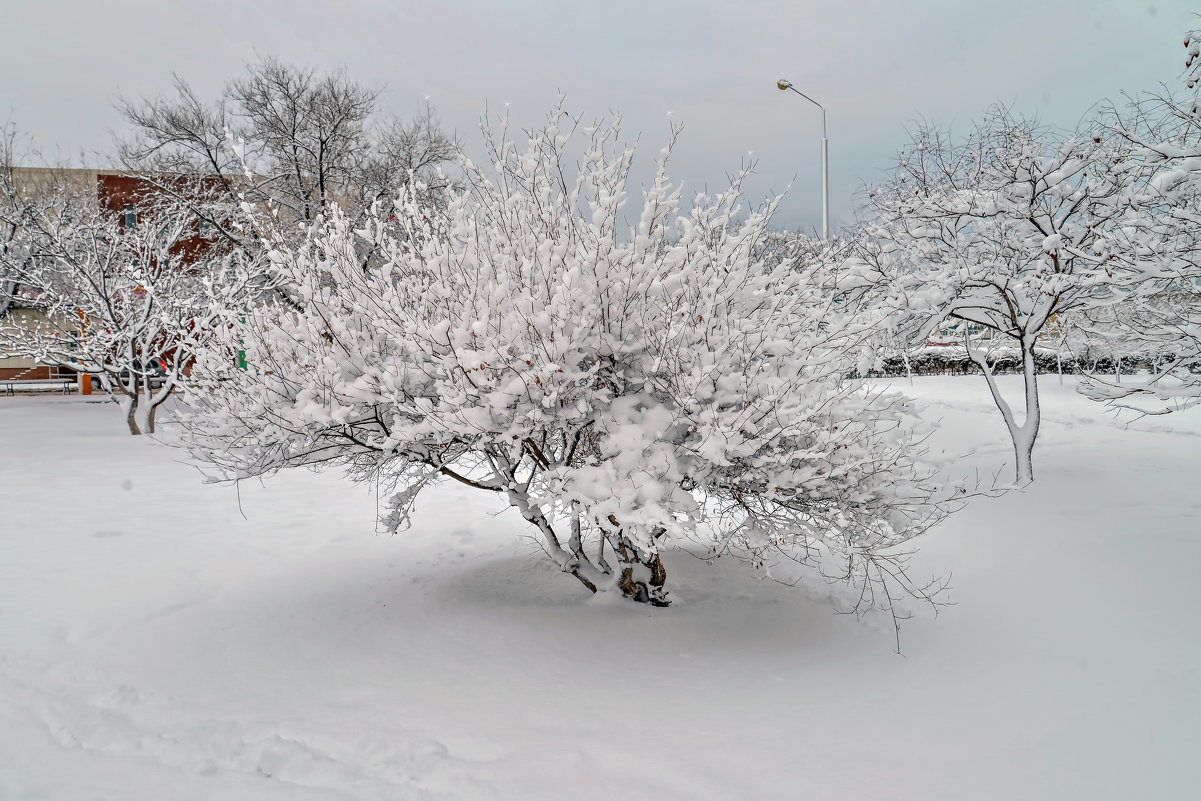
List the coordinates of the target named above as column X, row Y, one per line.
column 622, row 386
column 955, row 360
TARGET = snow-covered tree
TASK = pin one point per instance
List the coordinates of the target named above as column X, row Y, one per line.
column 116, row 302
column 623, row 386
column 792, row 246
column 12, row 204
column 1004, row 230
column 25, row 193
column 1192, row 62
column 1160, row 312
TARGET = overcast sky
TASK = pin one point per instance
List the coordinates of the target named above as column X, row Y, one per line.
column 876, row 65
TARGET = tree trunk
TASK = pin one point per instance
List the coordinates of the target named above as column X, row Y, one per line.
column 642, row 580
column 1023, row 451
column 1023, row 435
column 131, row 415
column 574, row 563
column 155, row 401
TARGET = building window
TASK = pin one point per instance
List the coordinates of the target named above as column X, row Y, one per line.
column 131, row 216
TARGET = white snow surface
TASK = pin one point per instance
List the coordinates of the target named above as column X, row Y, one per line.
column 156, row 644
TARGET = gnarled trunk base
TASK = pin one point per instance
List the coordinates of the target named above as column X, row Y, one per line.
column 643, row 581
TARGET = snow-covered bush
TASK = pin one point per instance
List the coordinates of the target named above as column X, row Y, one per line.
column 622, row 386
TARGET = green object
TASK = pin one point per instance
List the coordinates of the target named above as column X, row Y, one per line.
column 242, row 353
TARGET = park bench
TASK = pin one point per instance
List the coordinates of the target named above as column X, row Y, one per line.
column 12, row 384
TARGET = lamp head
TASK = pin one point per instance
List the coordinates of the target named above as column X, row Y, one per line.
column 783, row 84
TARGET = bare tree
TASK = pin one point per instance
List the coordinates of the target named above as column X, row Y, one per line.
column 302, row 141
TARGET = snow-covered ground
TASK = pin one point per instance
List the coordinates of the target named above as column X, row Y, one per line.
column 156, row 644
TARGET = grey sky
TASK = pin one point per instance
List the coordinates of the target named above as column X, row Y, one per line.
column 875, row 64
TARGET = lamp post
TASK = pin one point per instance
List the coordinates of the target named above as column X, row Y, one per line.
column 785, row 84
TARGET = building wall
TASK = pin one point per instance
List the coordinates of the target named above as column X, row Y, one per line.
column 41, row 181
column 23, row 367
column 118, row 193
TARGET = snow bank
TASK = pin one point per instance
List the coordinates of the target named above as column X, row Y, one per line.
column 155, row 643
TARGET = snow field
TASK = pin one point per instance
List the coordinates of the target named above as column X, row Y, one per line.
column 155, row 643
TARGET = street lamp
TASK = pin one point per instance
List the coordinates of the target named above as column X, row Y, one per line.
column 784, row 84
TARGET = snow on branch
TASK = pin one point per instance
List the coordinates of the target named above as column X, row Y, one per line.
column 622, row 368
